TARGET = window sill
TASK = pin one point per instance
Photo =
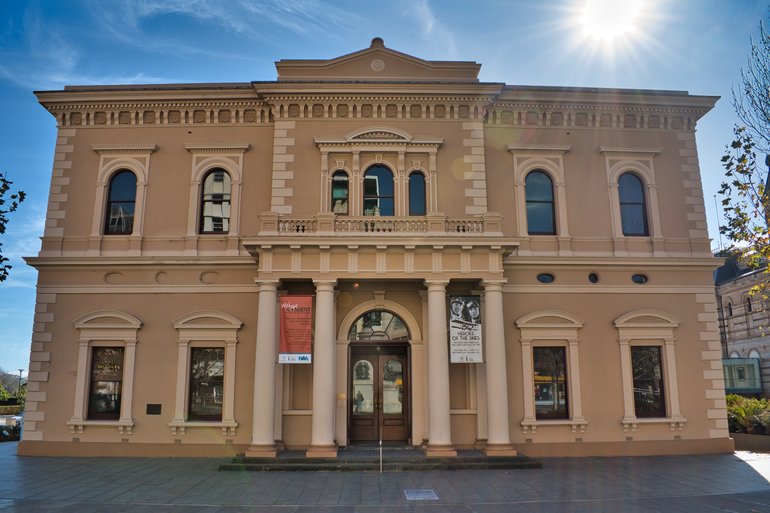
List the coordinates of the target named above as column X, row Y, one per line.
column 576, row 425
column 179, row 427
column 675, row 423
column 125, row 426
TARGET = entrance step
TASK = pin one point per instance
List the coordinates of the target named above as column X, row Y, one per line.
column 367, row 458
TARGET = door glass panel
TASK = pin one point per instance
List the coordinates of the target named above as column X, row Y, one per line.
column 363, row 388
column 392, row 387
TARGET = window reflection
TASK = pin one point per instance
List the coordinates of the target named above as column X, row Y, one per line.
column 378, row 192
column 340, row 193
column 363, row 388
column 378, row 325
column 392, row 387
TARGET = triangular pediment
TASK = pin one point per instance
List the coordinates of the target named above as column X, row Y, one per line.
column 377, row 64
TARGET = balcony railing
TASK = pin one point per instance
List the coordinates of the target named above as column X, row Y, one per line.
column 330, row 224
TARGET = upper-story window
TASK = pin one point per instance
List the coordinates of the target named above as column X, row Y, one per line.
column 215, row 202
column 378, row 191
column 340, row 193
column 633, row 206
column 121, row 201
column 540, row 211
column 417, row 194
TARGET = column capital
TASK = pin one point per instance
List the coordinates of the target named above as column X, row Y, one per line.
column 436, row 284
column 267, row 285
column 493, row 285
column 324, row 285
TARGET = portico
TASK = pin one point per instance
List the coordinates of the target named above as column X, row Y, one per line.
column 412, row 290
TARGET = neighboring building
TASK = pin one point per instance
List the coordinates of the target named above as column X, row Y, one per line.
column 570, row 220
column 744, row 322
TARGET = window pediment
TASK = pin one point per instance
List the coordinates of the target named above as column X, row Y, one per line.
column 380, row 137
column 646, row 319
column 374, row 134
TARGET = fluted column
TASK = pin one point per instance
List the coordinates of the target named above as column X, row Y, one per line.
column 322, row 438
column 263, row 417
column 498, row 433
column 439, row 428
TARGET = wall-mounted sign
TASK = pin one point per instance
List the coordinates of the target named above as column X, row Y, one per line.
column 465, row 329
column 296, row 321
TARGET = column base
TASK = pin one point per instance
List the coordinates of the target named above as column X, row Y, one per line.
column 498, row 450
column 261, row 451
column 440, row 451
column 321, row 451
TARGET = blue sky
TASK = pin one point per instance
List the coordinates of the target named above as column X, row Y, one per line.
column 693, row 45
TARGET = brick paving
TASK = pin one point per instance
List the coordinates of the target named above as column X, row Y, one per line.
column 662, row 484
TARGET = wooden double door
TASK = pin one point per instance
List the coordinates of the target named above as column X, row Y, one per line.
column 378, row 402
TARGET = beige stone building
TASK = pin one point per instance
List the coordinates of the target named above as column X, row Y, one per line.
column 491, row 266
column 744, row 321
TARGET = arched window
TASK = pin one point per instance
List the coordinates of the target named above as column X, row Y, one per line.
column 378, row 325
column 378, row 191
column 215, row 202
column 540, row 212
column 417, row 194
column 633, row 207
column 121, row 201
column 340, row 192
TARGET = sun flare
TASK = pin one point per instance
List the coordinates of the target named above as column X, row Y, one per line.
column 607, row 20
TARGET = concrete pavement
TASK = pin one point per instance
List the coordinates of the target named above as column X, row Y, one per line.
column 663, row 484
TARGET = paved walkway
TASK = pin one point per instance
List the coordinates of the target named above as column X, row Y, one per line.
column 666, row 484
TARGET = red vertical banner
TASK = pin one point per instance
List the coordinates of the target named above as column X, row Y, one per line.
column 296, row 323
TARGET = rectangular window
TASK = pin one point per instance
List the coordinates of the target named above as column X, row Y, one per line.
column 207, row 374
column 106, row 383
column 550, row 383
column 649, row 399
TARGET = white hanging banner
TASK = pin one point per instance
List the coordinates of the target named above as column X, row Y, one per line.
column 465, row 329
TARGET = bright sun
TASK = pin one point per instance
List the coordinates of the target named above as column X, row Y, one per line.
column 607, row 20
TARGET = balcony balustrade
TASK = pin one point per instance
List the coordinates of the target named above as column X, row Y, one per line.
column 485, row 225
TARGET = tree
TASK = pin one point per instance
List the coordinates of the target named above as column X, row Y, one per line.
column 746, row 198
column 9, row 202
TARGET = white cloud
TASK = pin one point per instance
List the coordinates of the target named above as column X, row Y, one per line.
column 431, row 29
column 257, row 20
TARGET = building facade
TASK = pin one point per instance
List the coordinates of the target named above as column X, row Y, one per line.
column 744, row 321
column 559, row 231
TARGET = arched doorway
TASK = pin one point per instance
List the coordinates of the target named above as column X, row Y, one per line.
column 378, row 378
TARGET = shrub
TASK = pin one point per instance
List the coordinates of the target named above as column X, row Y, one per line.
column 10, row 410
column 747, row 415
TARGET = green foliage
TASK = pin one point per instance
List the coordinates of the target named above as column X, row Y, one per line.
column 9, row 202
column 748, row 415
column 746, row 199
column 10, row 410
column 4, row 395
column 746, row 206
column 21, row 396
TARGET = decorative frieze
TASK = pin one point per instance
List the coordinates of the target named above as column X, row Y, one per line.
column 157, row 114
column 592, row 116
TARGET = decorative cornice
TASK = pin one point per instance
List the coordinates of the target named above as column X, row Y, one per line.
column 538, row 149
column 629, row 152
column 217, row 148
column 109, row 149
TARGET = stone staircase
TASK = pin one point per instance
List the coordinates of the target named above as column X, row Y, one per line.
column 367, row 458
